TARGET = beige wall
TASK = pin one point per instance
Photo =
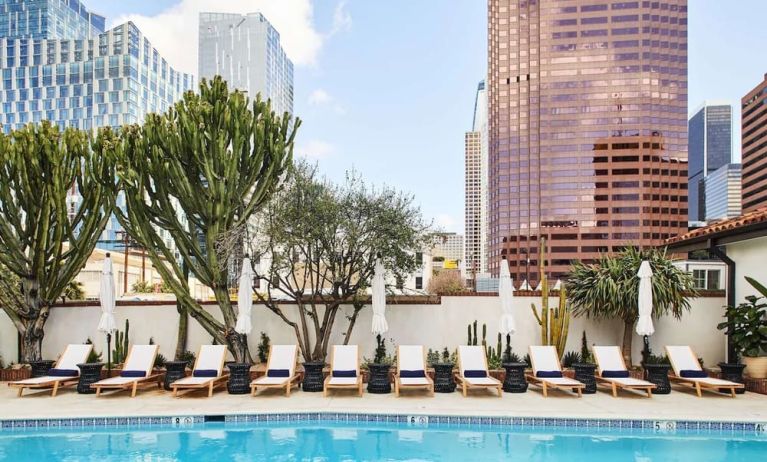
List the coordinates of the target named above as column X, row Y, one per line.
column 434, row 326
column 749, row 257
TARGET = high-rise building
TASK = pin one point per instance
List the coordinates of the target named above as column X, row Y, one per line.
column 722, row 192
column 587, row 110
column 475, row 182
column 245, row 50
column 754, row 147
column 448, row 246
column 709, row 148
column 90, row 79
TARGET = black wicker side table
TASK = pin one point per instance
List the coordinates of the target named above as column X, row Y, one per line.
column 239, row 378
column 734, row 373
column 515, row 378
column 658, row 375
column 378, row 381
column 584, row 373
column 174, row 370
column 443, row 378
column 90, row 373
column 314, row 379
column 41, row 368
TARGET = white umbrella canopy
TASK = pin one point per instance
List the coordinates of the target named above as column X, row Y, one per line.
column 506, row 295
column 644, row 325
column 525, row 285
column 107, row 322
column 380, row 326
column 244, row 299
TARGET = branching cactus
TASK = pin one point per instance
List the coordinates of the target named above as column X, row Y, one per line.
column 554, row 322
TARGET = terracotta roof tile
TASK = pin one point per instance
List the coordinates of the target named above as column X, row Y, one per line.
column 757, row 216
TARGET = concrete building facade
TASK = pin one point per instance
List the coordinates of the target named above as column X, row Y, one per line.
column 754, row 147
column 722, row 192
column 475, row 178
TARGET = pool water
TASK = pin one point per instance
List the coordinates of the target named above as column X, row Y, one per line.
column 367, row 442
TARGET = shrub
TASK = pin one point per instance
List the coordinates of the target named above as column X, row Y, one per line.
column 263, row 348
column 446, row 282
column 570, row 358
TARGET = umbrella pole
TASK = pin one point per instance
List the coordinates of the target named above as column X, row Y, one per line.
column 109, row 354
column 646, row 350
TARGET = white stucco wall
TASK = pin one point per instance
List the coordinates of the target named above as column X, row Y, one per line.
column 750, row 259
column 434, row 326
column 8, row 339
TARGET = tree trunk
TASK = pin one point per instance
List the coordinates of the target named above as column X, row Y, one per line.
column 33, row 320
column 628, row 335
column 31, row 345
column 183, row 329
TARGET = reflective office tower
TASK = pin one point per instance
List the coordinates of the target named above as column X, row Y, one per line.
column 90, row 79
column 709, row 148
column 722, row 192
column 246, row 51
column 754, row 147
column 475, row 187
column 588, row 128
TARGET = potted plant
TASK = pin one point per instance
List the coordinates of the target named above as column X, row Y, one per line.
column 379, row 380
column 747, row 327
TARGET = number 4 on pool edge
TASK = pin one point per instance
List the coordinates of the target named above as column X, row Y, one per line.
column 760, row 428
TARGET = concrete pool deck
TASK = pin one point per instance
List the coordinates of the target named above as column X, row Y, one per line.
column 681, row 404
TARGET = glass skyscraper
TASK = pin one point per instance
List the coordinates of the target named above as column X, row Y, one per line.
column 245, row 50
column 710, row 147
column 57, row 63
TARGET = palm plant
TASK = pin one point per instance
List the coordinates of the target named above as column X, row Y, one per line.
column 609, row 289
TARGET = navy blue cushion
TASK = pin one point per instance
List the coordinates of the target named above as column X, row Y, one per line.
column 475, row 374
column 133, row 374
column 615, row 374
column 411, row 374
column 549, row 374
column 345, row 374
column 63, row 372
column 692, row 374
column 278, row 373
column 205, row 373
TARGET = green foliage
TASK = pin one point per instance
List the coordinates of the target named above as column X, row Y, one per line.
column 586, row 355
column 159, row 360
column 73, row 291
column 263, row 348
column 216, row 157
column 757, row 285
column 746, row 325
column 508, row 355
column 187, row 356
column 448, row 357
column 321, row 240
column 380, row 353
column 120, row 350
column 609, row 289
column 94, row 356
column 446, row 282
column 39, row 165
column 659, row 359
column 554, row 322
column 526, row 360
column 142, row 287
column 570, row 358
column 432, row 357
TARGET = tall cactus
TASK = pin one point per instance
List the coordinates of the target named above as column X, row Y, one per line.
column 554, row 322
column 120, row 351
column 39, row 165
column 221, row 156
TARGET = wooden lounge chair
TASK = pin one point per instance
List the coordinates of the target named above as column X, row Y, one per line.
column 547, row 371
column 344, row 369
column 64, row 374
column 612, row 371
column 207, row 373
column 280, row 370
column 687, row 371
column 411, row 369
column 472, row 367
column 137, row 372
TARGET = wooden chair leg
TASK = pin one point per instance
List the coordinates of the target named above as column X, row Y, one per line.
column 98, row 391
column 545, row 391
column 135, row 388
column 732, row 392
column 463, row 384
column 697, row 389
column 615, row 390
column 210, row 389
column 175, row 392
column 21, row 391
column 649, row 392
column 580, row 392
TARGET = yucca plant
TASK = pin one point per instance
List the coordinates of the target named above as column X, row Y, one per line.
column 609, row 289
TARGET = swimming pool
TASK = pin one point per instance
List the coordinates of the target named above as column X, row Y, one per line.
column 324, row 440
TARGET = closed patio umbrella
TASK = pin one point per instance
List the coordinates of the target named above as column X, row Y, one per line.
column 243, row 326
column 506, row 296
column 107, row 300
column 644, row 324
column 380, row 326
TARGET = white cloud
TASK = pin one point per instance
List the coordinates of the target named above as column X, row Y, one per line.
column 315, row 149
column 319, row 97
column 445, row 222
column 174, row 31
column 342, row 20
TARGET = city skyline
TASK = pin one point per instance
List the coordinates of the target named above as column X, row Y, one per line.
column 341, row 114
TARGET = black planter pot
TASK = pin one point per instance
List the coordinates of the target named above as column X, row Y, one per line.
column 313, row 377
column 658, row 374
column 734, row 373
column 239, row 378
column 90, row 373
column 443, row 377
column 584, row 373
column 515, row 378
column 174, row 370
column 378, row 381
column 41, row 368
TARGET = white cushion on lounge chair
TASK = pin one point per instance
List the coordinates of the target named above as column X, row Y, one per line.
column 46, row 379
column 343, row 381
column 561, row 381
column 414, row 381
column 193, row 380
column 73, row 355
column 141, row 358
column 282, row 357
column 119, row 380
column 481, row 380
column 682, row 359
column 472, row 358
column 345, row 358
column 712, row 381
column 410, row 358
column 609, row 358
column 628, row 381
column 544, row 358
column 211, row 358
column 270, row 380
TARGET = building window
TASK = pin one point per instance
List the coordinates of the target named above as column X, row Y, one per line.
column 706, row 279
column 699, row 279
column 712, row 280
column 419, row 282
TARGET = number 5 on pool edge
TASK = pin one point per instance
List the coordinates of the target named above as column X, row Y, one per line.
column 664, row 426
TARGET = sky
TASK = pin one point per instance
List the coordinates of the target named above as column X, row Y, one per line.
column 387, row 87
